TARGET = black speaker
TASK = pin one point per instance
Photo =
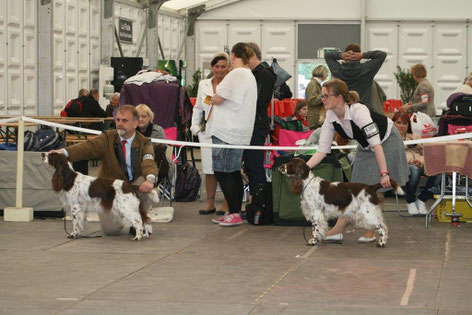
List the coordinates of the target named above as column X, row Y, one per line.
column 124, row 67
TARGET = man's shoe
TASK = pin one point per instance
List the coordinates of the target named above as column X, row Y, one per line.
column 412, row 208
column 364, row 239
column 231, row 220
column 421, row 207
column 203, row 211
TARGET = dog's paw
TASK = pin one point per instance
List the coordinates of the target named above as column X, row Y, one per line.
column 312, row 242
column 137, row 238
column 381, row 243
column 72, row 235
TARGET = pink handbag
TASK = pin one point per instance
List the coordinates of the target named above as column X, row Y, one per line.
column 289, row 137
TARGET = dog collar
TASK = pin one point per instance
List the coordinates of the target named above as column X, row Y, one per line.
column 304, row 187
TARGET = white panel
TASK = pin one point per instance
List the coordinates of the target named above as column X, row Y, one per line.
column 83, row 55
column 71, row 52
column 94, row 44
column 183, row 36
column 450, row 45
column 30, row 104
column 244, row 31
column 29, row 14
column 58, row 56
column 71, row 17
column 71, row 55
column 14, row 57
column 83, row 18
column 415, row 44
column 3, row 57
column 167, row 36
column 58, row 52
column 15, row 14
column 30, row 92
column 211, row 37
column 469, row 41
column 174, row 38
column 58, row 16
column 278, row 41
column 384, row 36
column 58, row 92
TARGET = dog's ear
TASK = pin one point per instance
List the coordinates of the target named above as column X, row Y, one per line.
column 297, row 186
column 57, row 181
column 302, row 169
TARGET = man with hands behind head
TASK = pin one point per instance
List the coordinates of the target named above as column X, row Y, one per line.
column 358, row 76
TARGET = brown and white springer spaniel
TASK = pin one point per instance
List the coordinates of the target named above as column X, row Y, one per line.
column 323, row 200
column 81, row 194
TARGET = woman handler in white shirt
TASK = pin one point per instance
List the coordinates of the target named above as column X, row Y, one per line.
column 202, row 110
column 232, row 122
column 380, row 154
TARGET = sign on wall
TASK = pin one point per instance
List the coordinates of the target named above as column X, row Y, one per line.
column 125, row 30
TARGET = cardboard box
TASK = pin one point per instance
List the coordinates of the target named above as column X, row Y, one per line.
column 461, row 207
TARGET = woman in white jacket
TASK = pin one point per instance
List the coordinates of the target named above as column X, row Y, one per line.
column 201, row 112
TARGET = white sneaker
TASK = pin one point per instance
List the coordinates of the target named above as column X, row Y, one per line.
column 412, row 208
column 335, row 237
column 421, row 205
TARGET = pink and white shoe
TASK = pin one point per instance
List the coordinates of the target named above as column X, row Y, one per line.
column 231, row 220
column 219, row 220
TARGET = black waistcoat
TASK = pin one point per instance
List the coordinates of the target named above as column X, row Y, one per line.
column 361, row 134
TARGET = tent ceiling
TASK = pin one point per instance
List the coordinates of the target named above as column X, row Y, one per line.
column 179, row 5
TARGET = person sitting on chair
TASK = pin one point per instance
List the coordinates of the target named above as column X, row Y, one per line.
column 414, row 154
column 151, row 130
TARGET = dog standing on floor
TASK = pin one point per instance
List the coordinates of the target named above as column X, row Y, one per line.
column 81, row 194
column 323, row 200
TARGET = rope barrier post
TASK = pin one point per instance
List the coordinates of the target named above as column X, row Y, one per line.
column 19, row 213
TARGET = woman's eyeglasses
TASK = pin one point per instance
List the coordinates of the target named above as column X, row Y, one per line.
column 325, row 96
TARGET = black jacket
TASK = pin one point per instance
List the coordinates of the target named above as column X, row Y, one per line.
column 91, row 108
column 358, row 76
column 265, row 79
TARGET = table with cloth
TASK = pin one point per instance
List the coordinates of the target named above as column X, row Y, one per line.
column 448, row 157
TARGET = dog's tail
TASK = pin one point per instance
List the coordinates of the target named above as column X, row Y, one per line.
column 396, row 188
column 154, row 195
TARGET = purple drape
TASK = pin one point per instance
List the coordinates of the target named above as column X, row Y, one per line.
column 161, row 97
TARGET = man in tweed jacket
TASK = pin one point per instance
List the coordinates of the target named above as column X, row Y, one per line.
column 107, row 147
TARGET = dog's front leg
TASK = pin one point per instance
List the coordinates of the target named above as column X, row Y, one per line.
column 78, row 221
column 316, row 230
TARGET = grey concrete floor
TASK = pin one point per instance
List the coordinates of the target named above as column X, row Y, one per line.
column 191, row 266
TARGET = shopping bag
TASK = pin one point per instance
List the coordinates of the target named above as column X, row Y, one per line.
column 423, row 125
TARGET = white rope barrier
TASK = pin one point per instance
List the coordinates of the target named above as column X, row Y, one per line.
column 64, row 126
column 9, row 120
column 229, row 146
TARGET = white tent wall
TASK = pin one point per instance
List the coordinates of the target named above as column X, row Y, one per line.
column 409, row 31
column 59, row 42
column 69, row 51
column 18, row 57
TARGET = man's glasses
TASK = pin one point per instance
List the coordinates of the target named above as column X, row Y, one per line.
column 325, row 96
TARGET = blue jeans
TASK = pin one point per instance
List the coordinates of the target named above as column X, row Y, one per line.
column 414, row 180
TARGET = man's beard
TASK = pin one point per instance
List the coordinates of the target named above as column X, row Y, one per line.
column 121, row 132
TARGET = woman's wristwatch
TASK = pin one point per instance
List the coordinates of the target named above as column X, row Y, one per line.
column 383, row 174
